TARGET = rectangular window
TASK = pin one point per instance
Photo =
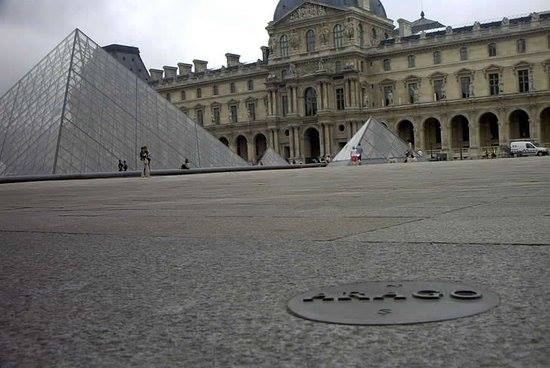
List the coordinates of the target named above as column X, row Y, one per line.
column 439, row 89
column 494, row 84
column 216, row 115
column 183, row 95
column 412, row 61
column 200, row 117
column 387, row 65
column 340, row 100
column 250, row 85
column 465, row 87
column 169, row 97
column 437, row 57
column 364, row 98
column 285, row 105
column 234, row 115
column 522, row 46
column 492, row 49
column 232, row 87
column 215, row 90
column 413, row 92
column 463, row 53
column 338, row 66
column 388, row 95
column 199, row 93
column 523, row 79
column 251, row 107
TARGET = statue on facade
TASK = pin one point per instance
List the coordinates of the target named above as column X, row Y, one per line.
column 350, row 31
column 321, row 66
column 390, row 98
column 294, row 40
column 413, row 94
column 291, row 71
column 365, row 100
column 531, row 82
column 471, row 89
column 324, row 36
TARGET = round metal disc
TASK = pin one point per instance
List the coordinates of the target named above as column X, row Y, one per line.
column 393, row 303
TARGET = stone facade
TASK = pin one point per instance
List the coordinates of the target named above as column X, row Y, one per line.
column 463, row 92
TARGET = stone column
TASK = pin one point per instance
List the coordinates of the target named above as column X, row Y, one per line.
column 475, row 133
column 297, row 141
column 296, row 110
column 291, row 141
column 275, row 140
column 270, row 103
column 322, row 140
column 251, row 151
column 419, row 139
column 445, row 136
column 535, row 127
column 232, row 145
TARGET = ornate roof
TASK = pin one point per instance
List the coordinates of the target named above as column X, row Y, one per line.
column 285, row 6
column 424, row 24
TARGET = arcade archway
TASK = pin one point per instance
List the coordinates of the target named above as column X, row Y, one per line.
column 242, row 147
column 519, row 125
column 312, row 146
column 405, row 131
column 432, row 134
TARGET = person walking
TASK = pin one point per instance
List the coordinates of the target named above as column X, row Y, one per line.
column 145, row 157
column 120, row 165
column 124, row 166
column 353, row 156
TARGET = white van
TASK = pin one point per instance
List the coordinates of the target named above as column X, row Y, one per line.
column 527, row 148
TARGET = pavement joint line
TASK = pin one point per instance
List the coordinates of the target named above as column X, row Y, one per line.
column 259, row 239
column 377, row 229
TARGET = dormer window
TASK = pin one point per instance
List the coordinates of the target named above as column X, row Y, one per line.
column 232, row 87
column 199, row 93
column 387, row 65
column 437, row 57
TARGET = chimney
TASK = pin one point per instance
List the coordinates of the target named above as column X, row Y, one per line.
column 265, row 53
column 185, row 69
column 405, row 28
column 200, row 65
column 365, row 4
column 170, row 71
column 156, row 74
column 232, row 60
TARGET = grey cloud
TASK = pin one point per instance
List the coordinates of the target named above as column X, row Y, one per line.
column 171, row 31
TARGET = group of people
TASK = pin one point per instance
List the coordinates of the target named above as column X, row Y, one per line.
column 356, row 154
column 122, row 165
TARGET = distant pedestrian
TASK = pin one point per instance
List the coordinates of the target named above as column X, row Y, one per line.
column 353, row 156
column 120, row 165
column 359, row 150
column 186, row 165
column 145, row 157
column 124, row 166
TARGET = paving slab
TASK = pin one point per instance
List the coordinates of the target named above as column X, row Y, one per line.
column 196, row 271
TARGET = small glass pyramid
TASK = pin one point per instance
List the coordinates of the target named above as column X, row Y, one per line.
column 380, row 145
column 272, row 158
column 79, row 111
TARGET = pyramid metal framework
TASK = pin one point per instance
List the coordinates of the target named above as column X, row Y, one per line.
column 272, row 158
column 79, row 111
column 379, row 145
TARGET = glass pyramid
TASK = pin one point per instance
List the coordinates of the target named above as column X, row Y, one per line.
column 79, row 111
column 380, row 145
column 272, row 158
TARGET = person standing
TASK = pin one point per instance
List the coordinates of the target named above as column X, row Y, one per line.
column 120, row 165
column 186, row 165
column 359, row 150
column 353, row 156
column 124, row 166
column 145, row 157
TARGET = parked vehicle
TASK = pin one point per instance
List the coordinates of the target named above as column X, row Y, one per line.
column 527, row 148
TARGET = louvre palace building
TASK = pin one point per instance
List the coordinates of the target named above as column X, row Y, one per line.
column 331, row 64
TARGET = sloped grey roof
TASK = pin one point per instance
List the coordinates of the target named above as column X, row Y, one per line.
column 285, row 6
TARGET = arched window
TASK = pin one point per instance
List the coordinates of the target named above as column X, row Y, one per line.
column 284, row 45
column 338, row 36
column 310, row 40
column 374, row 33
column 311, row 102
column 361, row 35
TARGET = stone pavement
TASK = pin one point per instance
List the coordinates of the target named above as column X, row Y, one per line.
column 196, row 271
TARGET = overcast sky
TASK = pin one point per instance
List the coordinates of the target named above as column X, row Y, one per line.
column 172, row 31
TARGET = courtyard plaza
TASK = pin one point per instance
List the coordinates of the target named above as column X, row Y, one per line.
column 197, row 270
